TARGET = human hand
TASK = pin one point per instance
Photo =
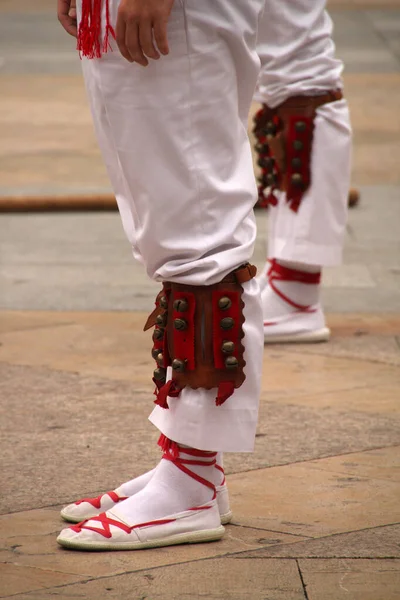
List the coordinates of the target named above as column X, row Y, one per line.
column 66, row 10
column 140, row 23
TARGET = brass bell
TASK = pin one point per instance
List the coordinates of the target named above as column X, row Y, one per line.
column 263, row 180
column 271, row 179
column 269, row 162
column 224, row 303
column 155, row 352
column 227, row 323
column 297, row 179
column 159, row 374
column 296, row 163
column 160, row 359
column 270, row 128
column 158, row 334
column 164, row 302
column 265, row 162
column 300, row 126
column 178, row 365
column 181, row 305
column 260, row 162
column 228, row 347
column 180, row 324
column 298, row 145
column 161, row 320
column 231, row 362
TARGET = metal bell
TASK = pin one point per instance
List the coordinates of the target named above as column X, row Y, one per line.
column 224, row 303
column 181, row 305
column 296, row 163
column 298, row 145
column 270, row 128
column 178, row 365
column 227, row 323
column 180, row 324
column 160, row 359
column 231, row 362
column 297, row 179
column 159, row 374
column 300, row 126
column 228, row 347
column 164, row 302
column 271, row 179
column 260, row 162
column 161, row 320
column 155, row 352
column 265, row 162
column 158, row 334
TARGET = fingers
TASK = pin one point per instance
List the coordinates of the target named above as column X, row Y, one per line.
column 127, row 36
column 120, row 34
column 141, row 30
column 160, row 35
column 67, row 21
column 72, row 10
column 132, row 39
column 146, row 39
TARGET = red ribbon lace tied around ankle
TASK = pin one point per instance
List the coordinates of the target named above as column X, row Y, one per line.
column 278, row 272
column 92, row 43
column 171, row 451
column 96, row 502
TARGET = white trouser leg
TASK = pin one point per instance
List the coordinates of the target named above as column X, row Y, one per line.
column 110, row 156
column 314, row 235
column 296, row 50
column 178, row 131
column 298, row 58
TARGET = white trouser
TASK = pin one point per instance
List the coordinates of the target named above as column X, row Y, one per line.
column 298, row 58
column 174, row 139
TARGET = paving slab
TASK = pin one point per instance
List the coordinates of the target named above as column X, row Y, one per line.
column 355, row 579
column 300, row 499
column 227, row 578
column 379, row 542
column 24, row 546
column 17, row 579
column 381, row 463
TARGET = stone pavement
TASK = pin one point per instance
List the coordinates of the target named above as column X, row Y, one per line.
column 317, row 506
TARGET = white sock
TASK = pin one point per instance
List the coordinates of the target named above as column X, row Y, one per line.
column 299, row 293
column 133, row 486
column 171, row 490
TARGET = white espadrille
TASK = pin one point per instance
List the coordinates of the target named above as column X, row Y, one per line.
column 306, row 326
column 140, row 522
column 108, row 532
column 86, row 508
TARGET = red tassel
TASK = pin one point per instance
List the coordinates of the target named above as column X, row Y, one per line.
column 272, row 199
column 109, row 30
column 225, row 391
column 89, row 33
column 168, row 389
column 168, row 446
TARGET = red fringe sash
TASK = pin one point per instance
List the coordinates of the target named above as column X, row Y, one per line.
column 91, row 44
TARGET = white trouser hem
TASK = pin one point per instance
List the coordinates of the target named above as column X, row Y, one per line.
column 191, row 435
column 307, row 253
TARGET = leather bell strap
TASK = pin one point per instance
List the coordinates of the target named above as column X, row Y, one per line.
column 285, row 136
column 198, row 332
